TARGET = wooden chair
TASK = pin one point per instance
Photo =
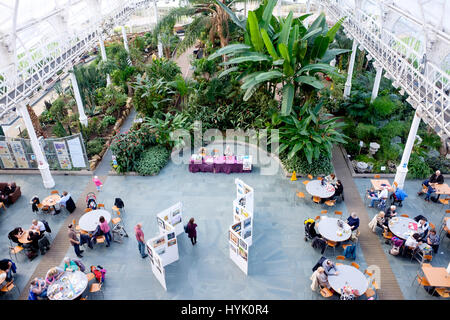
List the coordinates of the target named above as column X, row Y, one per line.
column 387, row 235
column 100, row 205
column 15, row 250
column 404, row 215
column 427, row 257
column 299, row 195
column 346, row 245
column 96, row 287
column 100, row 239
column 87, row 210
column 310, row 177
column 54, row 192
column 370, row 274
column 317, row 218
column 443, row 292
column 375, row 285
column 118, row 228
column 354, row 264
column 319, row 178
column 370, row 293
column 316, row 199
column 326, row 293
column 395, row 185
column 9, row 287
column 339, row 213
column 330, row 203
column 432, row 226
column 43, row 208
column 340, row 258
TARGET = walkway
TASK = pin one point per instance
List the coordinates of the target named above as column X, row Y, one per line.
column 369, row 242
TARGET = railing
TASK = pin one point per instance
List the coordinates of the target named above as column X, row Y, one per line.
column 16, row 85
column 425, row 83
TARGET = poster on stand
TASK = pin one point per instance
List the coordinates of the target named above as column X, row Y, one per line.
column 5, row 156
column 19, row 154
column 172, row 216
column 157, row 267
column 238, row 251
column 62, row 155
column 76, row 153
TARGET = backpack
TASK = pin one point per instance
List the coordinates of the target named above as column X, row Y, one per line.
column 119, row 203
column 350, row 252
column 394, row 251
column 98, row 273
column 80, row 265
column 47, row 227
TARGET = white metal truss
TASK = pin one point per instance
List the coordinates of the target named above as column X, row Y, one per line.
column 21, row 80
column 427, row 85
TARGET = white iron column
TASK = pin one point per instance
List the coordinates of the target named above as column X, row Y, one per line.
column 245, row 8
column 125, row 41
column 160, row 46
column 42, row 161
column 279, row 8
column 308, row 6
column 402, row 169
column 76, row 92
column 376, row 85
column 104, row 58
column 348, row 83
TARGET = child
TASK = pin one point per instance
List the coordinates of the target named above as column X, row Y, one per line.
column 97, row 183
column 372, row 193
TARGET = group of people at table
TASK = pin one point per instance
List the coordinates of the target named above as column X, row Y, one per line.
column 30, row 239
column 53, row 203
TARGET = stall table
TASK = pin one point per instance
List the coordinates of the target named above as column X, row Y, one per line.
column 69, row 287
column 90, row 220
column 350, row 276
column 329, row 229
column 217, row 165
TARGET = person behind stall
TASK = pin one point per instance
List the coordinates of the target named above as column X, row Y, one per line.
column 38, row 288
column 435, row 178
column 433, row 240
column 53, row 274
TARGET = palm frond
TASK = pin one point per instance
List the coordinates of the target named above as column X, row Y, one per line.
column 192, row 33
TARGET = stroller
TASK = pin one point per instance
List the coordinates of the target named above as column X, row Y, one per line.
column 91, row 201
column 310, row 232
column 397, row 197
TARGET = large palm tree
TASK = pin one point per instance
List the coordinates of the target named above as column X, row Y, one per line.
column 208, row 17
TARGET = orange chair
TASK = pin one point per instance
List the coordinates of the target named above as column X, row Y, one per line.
column 90, row 276
column 87, row 210
column 54, row 192
column 354, row 264
column 340, row 258
column 332, row 244
column 2, row 205
column 443, row 292
column 317, row 218
column 330, row 203
column 100, row 239
column 117, row 219
column 305, row 182
column 310, row 177
column 339, row 213
column 100, row 205
column 369, row 293
column 387, row 235
column 404, row 215
column 432, row 226
column 370, row 274
column 427, row 257
column 96, row 287
column 316, row 199
column 326, row 293
column 377, row 176
column 8, row 287
column 323, row 211
column 319, row 178
column 443, row 202
column 346, row 245
column 15, row 250
column 300, row 194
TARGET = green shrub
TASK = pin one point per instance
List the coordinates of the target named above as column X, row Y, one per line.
column 59, row 131
column 441, row 163
column 299, row 163
column 46, row 117
column 107, row 121
column 366, row 132
column 418, row 168
column 383, row 106
column 94, row 146
column 152, row 160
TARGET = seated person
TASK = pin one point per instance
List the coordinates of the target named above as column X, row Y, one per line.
column 37, row 225
column 64, row 197
column 329, row 267
column 381, row 221
column 382, row 195
column 10, row 188
column 53, row 274
column 331, row 179
column 412, row 242
column 347, row 293
column 430, row 191
column 4, row 198
column 422, row 228
column 322, row 278
column 6, row 265
column 34, row 237
column 353, row 221
column 67, row 201
column 38, row 288
column 70, row 264
column 390, row 213
column 15, row 235
column 433, row 240
column 338, row 190
column 436, row 178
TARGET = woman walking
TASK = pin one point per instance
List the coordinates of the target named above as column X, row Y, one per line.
column 192, row 233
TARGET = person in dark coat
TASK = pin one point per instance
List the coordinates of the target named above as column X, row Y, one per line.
column 192, row 233
column 34, row 204
column 67, row 201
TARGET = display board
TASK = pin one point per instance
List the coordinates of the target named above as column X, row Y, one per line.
column 19, row 154
column 240, row 232
column 5, row 156
column 62, row 155
column 157, row 265
column 76, row 153
column 172, row 216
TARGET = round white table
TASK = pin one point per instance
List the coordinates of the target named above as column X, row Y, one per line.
column 448, row 223
column 329, row 229
column 350, row 276
column 89, row 221
column 69, row 287
column 316, row 189
column 399, row 227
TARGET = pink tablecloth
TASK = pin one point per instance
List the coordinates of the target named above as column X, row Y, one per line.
column 220, row 164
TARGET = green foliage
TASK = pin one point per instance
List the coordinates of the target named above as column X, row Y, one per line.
column 94, row 146
column 418, row 168
column 107, row 121
column 299, row 163
column 89, row 80
column 58, row 130
column 164, row 128
column 440, row 163
column 366, row 132
column 204, row 66
column 163, row 69
column 112, row 99
column 383, row 106
column 152, row 160
column 46, row 117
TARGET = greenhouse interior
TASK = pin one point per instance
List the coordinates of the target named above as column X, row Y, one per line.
column 319, row 128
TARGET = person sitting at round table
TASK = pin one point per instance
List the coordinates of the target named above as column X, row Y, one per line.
column 38, row 288
column 15, row 235
column 4, row 198
column 382, row 195
column 338, row 190
column 70, row 264
column 433, row 240
column 53, row 275
column 390, row 213
column 331, row 179
column 10, row 188
column 329, row 267
column 6, row 265
column 347, row 293
column 353, row 222
column 322, row 278
column 39, row 226
column 411, row 242
column 67, row 201
column 422, row 228
column 34, row 237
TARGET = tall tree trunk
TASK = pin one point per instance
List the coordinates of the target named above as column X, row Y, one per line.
column 35, row 121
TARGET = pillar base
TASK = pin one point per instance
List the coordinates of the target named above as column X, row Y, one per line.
column 400, row 176
column 46, row 176
column 347, row 89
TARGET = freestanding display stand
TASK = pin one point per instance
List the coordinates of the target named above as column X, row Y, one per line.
column 163, row 249
column 241, row 231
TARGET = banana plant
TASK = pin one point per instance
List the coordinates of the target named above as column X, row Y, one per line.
column 281, row 51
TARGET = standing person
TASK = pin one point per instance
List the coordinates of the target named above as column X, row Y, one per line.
column 97, row 183
column 192, row 233
column 140, row 239
column 104, row 226
column 73, row 238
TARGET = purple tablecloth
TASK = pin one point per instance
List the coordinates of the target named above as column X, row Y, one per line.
column 220, row 164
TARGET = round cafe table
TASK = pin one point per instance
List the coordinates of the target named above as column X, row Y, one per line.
column 328, row 228
column 89, row 221
column 399, row 227
column 51, row 200
column 316, row 189
column 24, row 238
column 350, row 276
column 69, row 287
